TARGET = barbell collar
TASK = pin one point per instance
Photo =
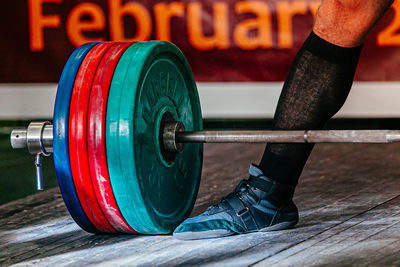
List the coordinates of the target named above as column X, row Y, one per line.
column 169, row 132
column 38, row 138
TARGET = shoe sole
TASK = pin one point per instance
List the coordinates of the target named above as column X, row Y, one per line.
column 279, row 226
column 225, row 233
column 203, row 234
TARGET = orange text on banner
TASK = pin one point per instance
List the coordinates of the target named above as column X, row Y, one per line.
column 76, row 27
column 38, row 21
column 215, row 25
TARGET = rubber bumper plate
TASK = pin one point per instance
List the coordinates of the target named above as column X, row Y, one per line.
column 60, row 138
column 96, row 139
column 77, row 137
column 152, row 83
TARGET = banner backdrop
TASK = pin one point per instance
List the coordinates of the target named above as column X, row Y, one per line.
column 223, row 40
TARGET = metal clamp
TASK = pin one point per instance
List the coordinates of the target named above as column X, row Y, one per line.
column 169, row 137
column 38, row 138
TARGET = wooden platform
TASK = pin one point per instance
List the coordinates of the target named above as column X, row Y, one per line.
column 349, row 201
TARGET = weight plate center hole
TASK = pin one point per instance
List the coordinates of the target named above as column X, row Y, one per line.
column 168, row 155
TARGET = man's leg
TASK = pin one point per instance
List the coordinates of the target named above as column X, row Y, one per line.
column 319, row 80
column 316, row 86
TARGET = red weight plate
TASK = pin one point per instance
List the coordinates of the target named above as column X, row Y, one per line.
column 96, row 138
column 77, row 138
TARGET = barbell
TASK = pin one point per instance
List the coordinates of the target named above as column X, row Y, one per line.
column 127, row 137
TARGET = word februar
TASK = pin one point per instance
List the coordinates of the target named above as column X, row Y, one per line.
column 246, row 24
column 212, row 25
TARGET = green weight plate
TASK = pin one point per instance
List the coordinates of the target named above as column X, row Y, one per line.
column 152, row 83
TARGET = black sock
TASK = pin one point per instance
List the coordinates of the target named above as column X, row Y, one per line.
column 316, row 87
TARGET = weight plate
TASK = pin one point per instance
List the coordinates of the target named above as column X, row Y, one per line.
column 96, row 138
column 154, row 191
column 77, row 137
column 60, row 138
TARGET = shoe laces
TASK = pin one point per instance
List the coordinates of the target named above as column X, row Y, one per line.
column 243, row 188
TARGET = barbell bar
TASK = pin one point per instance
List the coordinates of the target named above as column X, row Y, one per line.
column 38, row 138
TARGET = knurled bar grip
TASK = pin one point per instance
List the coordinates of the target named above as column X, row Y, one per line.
column 298, row 136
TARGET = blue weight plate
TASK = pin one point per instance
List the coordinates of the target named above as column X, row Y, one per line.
column 60, row 135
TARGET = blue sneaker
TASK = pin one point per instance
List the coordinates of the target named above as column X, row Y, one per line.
column 256, row 204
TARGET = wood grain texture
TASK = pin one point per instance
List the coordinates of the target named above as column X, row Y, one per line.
column 348, row 197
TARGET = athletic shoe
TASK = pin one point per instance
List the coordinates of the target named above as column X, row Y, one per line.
column 256, row 204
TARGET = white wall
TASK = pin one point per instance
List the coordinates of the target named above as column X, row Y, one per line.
column 218, row 100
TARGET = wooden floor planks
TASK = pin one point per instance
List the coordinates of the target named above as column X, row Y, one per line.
column 348, row 197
